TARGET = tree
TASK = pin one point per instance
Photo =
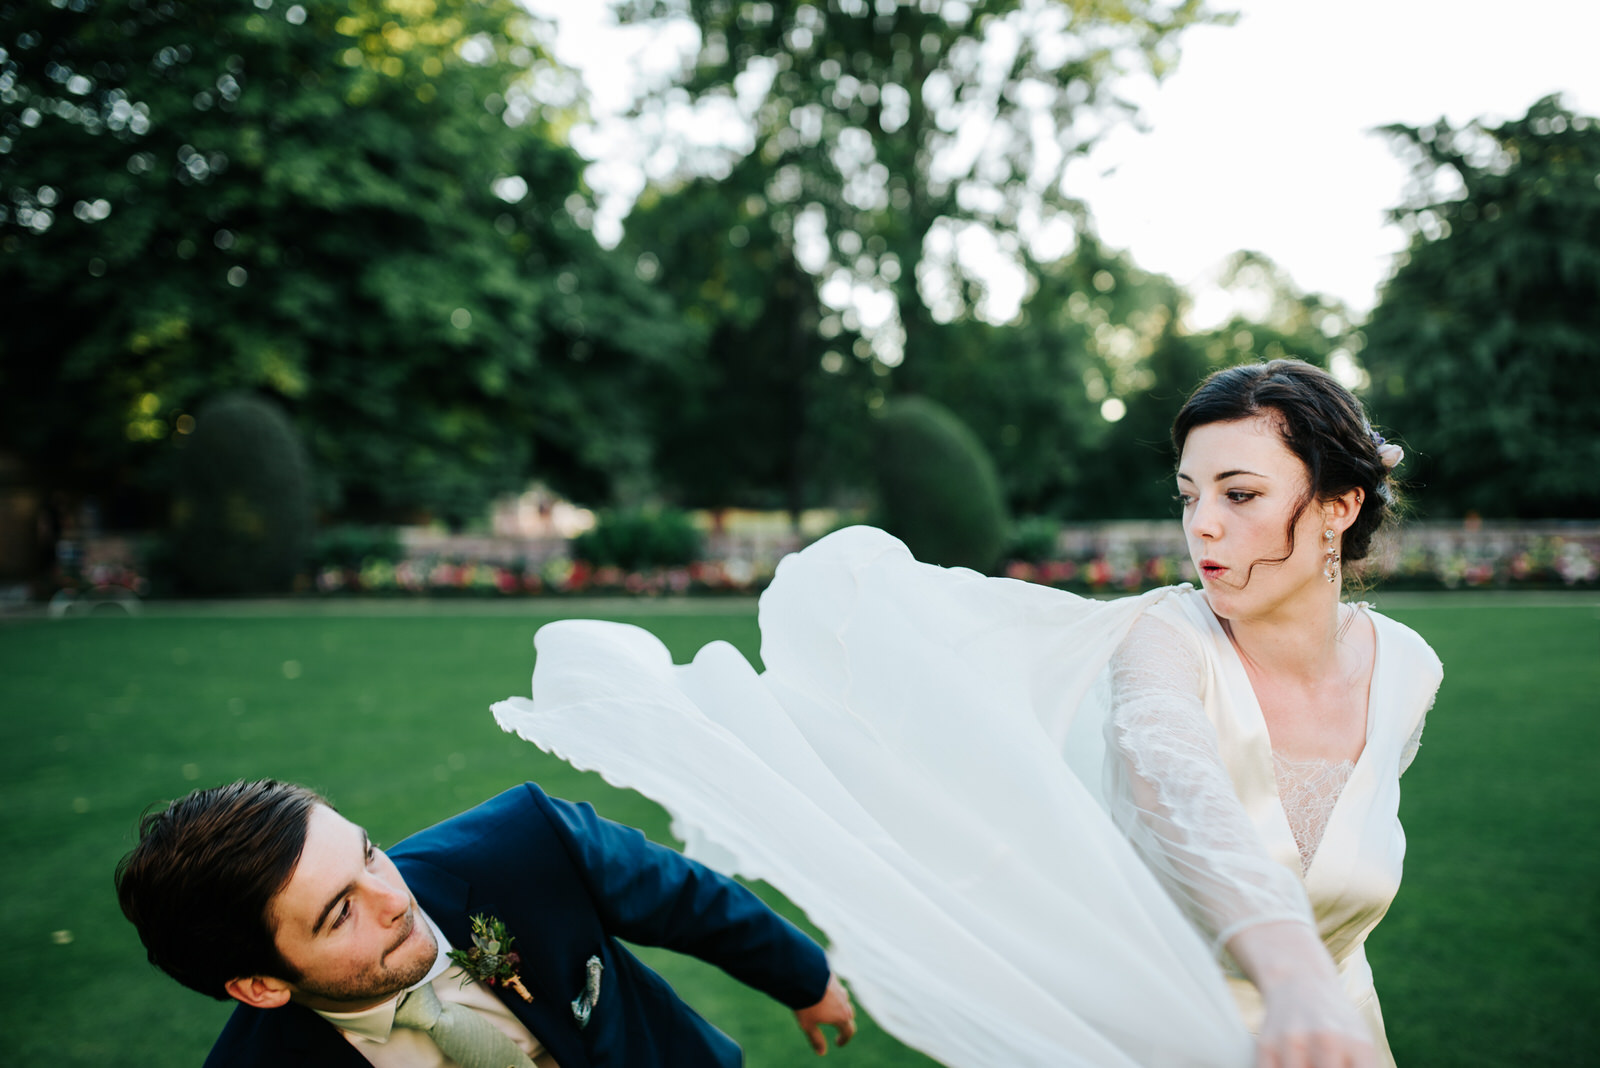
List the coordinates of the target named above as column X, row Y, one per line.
column 1484, row 348
column 1054, row 394
column 363, row 208
column 937, row 487
column 886, row 141
column 241, row 500
column 881, row 125
column 770, row 412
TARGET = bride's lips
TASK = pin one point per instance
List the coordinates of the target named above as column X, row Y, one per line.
column 1211, row 569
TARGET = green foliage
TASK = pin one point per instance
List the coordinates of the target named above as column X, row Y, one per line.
column 1034, row 539
column 1096, row 329
column 364, row 209
column 349, row 546
column 854, row 179
column 241, row 505
column 1484, row 349
column 764, row 416
column 861, row 107
column 1150, row 363
column 634, row 539
column 937, row 487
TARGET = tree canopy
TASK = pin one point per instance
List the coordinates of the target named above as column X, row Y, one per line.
column 889, row 131
column 1484, row 351
column 367, row 212
column 896, row 154
column 361, row 208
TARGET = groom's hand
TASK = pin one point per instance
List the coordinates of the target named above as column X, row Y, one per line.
column 835, row 1011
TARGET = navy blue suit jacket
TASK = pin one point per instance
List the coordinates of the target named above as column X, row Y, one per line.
column 568, row 884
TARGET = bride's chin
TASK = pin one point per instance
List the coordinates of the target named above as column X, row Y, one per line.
column 1227, row 601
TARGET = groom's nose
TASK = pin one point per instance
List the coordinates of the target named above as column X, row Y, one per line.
column 390, row 898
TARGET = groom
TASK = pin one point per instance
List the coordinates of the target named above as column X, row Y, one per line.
column 338, row 951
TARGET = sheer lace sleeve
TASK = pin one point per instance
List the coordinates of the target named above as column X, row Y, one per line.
column 1171, row 794
column 1414, row 743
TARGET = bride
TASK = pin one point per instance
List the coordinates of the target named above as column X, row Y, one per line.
column 1044, row 830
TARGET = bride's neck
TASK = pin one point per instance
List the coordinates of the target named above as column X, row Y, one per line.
column 1298, row 640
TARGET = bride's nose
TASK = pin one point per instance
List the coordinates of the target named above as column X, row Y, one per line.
column 1203, row 519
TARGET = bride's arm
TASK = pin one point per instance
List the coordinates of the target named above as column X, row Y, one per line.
column 1171, row 795
column 1308, row 1019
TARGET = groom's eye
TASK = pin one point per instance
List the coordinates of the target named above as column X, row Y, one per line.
column 344, row 914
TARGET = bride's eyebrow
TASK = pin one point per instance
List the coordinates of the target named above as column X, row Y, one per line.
column 1226, row 474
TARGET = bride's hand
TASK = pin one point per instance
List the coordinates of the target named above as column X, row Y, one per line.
column 1309, row 1021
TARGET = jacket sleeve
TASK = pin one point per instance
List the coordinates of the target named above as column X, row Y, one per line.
column 655, row 896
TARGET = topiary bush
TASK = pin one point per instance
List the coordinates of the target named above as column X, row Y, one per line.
column 241, row 510
column 350, row 547
column 1034, row 539
column 937, row 487
column 638, row 538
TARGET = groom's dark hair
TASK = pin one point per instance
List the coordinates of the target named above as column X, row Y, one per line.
column 199, row 883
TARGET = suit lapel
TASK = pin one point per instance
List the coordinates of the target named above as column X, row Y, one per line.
column 450, row 902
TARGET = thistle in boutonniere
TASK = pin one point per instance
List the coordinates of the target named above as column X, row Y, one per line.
column 491, row 959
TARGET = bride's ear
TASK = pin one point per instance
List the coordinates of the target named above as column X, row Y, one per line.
column 1338, row 513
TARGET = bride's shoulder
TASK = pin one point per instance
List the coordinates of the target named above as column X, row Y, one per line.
column 1183, row 608
column 1404, row 644
column 1171, row 620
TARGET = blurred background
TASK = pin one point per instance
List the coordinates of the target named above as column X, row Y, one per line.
column 413, row 322
column 290, row 288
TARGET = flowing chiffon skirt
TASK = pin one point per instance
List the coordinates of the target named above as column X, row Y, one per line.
column 897, row 771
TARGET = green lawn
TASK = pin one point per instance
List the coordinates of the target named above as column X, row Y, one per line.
column 1486, row 959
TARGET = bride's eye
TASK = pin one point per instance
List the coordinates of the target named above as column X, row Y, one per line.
column 1183, row 498
column 1240, row 496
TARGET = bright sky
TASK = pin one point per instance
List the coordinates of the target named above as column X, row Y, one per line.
column 1260, row 140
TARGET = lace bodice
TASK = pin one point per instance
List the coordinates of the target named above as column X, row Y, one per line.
column 1229, row 826
column 1308, row 790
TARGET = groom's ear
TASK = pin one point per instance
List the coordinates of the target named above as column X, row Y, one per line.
column 259, row 991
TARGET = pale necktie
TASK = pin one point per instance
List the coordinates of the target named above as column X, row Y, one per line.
column 460, row 1033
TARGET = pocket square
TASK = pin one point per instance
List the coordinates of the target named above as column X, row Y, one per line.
column 584, row 1003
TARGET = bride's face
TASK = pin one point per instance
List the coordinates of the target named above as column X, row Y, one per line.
column 1241, row 487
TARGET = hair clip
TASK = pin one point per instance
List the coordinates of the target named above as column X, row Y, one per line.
column 1391, row 455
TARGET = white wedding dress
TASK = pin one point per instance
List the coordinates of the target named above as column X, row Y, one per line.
column 900, row 772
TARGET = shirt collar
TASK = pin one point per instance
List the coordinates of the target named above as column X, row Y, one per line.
column 377, row 1022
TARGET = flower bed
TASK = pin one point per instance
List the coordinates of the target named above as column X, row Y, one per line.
column 1105, row 558
column 557, row 576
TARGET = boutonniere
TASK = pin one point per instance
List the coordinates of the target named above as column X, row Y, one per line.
column 491, row 959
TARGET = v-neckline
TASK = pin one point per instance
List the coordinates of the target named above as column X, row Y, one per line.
column 1236, row 665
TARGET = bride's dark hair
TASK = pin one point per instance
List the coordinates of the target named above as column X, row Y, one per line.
column 1318, row 420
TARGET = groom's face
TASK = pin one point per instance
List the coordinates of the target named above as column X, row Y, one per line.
column 347, row 922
